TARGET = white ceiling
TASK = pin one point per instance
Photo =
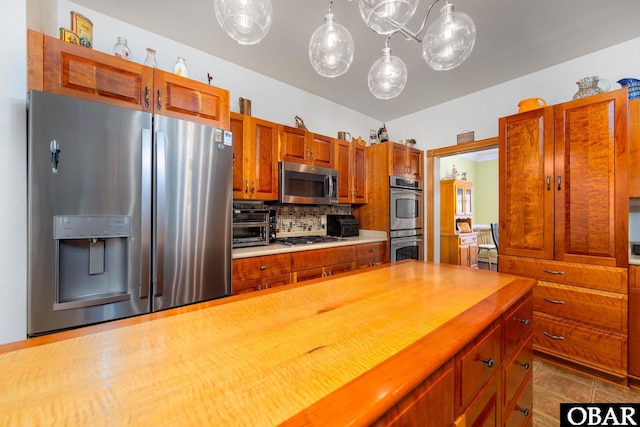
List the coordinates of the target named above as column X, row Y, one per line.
column 514, row 38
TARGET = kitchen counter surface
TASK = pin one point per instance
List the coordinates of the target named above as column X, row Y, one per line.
column 366, row 236
column 332, row 351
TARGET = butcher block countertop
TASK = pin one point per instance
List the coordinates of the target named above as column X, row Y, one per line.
column 327, row 352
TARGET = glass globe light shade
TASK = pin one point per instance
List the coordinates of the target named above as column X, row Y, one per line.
column 386, row 16
column 387, row 76
column 449, row 39
column 331, row 48
column 245, row 21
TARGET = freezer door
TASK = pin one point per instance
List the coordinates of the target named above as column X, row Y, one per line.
column 192, row 218
column 86, row 260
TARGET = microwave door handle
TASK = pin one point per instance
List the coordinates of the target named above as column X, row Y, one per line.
column 330, row 186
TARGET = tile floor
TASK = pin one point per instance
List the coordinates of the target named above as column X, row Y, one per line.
column 553, row 384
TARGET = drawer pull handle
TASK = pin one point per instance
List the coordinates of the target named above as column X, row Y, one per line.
column 524, row 321
column 554, row 301
column 525, row 411
column 266, row 286
column 259, row 287
column 555, row 337
column 489, row 362
column 263, row 267
column 553, row 271
column 525, row 365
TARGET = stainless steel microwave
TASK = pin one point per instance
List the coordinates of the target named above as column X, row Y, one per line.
column 307, row 185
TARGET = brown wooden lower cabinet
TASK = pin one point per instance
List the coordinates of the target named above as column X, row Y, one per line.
column 634, row 324
column 487, row 383
column 268, row 271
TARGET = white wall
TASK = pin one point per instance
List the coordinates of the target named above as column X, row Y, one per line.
column 13, row 214
column 271, row 100
column 438, row 126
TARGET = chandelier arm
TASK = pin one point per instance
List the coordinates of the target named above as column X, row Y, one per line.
column 331, row 4
column 391, row 21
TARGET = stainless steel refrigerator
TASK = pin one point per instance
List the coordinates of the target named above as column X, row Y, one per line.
column 128, row 212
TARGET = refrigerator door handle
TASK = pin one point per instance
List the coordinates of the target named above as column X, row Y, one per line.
column 145, row 221
column 160, row 212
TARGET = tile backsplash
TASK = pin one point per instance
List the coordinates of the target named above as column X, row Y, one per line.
column 297, row 220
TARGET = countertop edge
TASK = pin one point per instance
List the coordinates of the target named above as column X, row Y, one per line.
column 361, row 402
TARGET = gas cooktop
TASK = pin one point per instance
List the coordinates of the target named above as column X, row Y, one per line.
column 305, row 240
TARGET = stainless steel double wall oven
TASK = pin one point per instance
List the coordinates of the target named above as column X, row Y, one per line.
column 407, row 218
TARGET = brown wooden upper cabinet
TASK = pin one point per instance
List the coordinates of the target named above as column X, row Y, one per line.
column 634, row 148
column 67, row 69
column 351, row 162
column 563, row 181
column 405, row 161
column 301, row 146
column 255, row 158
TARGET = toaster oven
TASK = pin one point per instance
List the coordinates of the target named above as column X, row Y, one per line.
column 252, row 224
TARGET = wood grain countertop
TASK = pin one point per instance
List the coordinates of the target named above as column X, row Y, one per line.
column 330, row 352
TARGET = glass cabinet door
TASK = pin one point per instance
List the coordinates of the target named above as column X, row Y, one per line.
column 459, row 201
column 467, row 201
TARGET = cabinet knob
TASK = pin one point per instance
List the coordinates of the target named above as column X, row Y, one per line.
column 253, row 186
column 159, row 103
column 246, row 186
column 266, row 286
column 263, row 267
column 523, row 321
column 525, row 365
column 259, row 287
column 525, row 411
column 489, row 362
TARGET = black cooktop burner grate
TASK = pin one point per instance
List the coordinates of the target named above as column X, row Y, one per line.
column 305, row 240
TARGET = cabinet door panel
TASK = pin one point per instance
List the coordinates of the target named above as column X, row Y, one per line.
column 322, row 151
column 183, row 98
column 239, row 156
column 79, row 72
column 416, row 160
column 591, row 157
column 359, row 173
column 526, row 184
column 293, row 145
column 634, row 333
column 398, row 160
column 343, row 160
column 265, row 165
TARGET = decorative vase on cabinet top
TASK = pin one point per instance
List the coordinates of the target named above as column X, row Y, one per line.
column 590, row 86
column 632, row 85
column 531, row 104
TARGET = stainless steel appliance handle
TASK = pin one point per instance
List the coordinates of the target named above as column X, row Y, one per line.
column 161, row 223
column 330, row 186
column 145, row 221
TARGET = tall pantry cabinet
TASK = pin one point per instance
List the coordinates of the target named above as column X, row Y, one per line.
column 564, row 219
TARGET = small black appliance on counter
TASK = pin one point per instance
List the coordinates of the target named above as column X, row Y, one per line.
column 342, row 226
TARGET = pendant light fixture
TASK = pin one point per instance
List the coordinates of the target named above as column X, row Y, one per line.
column 387, row 76
column 449, row 40
column 387, row 16
column 331, row 48
column 245, row 21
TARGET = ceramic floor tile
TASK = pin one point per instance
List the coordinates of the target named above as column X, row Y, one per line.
column 566, row 372
column 543, row 420
column 567, row 386
column 611, row 393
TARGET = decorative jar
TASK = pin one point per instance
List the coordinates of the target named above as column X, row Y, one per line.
column 588, row 86
column 121, row 50
column 150, row 60
column 180, row 68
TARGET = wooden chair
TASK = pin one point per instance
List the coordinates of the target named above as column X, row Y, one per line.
column 485, row 241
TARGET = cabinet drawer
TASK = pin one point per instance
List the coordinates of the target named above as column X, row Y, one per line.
column 634, row 277
column 517, row 372
column 588, row 276
column 322, row 257
column 252, row 285
column 255, row 267
column 468, row 239
column 370, row 250
column 370, row 262
column 522, row 412
column 580, row 344
column 517, row 326
column 602, row 309
column 485, row 409
column 476, row 363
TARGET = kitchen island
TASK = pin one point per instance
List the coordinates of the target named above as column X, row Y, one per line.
column 338, row 351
